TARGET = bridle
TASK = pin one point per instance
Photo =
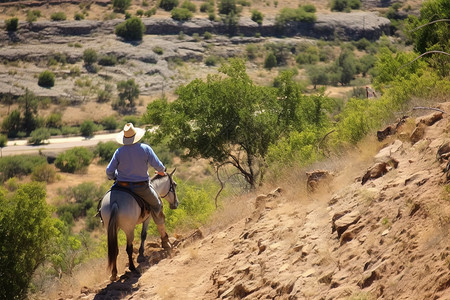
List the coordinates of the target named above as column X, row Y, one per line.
column 171, row 187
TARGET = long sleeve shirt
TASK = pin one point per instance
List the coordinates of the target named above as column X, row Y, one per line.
column 130, row 163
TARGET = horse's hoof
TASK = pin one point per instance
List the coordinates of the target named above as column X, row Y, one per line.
column 113, row 278
column 132, row 268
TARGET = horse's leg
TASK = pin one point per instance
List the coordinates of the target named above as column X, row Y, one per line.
column 113, row 248
column 143, row 238
column 130, row 238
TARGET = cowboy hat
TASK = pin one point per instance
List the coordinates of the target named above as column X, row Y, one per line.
column 130, row 135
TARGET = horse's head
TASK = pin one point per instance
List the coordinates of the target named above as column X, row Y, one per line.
column 166, row 187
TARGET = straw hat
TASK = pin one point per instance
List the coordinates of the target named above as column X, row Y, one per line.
column 130, row 135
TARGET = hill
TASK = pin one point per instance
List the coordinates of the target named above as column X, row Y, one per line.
column 386, row 239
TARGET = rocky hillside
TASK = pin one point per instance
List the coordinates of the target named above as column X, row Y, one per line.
column 384, row 239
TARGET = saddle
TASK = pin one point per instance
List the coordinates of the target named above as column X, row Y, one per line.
column 140, row 201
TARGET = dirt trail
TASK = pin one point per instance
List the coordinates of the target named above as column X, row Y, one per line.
column 386, row 239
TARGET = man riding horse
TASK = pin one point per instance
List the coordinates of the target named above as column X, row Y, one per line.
column 129, row 168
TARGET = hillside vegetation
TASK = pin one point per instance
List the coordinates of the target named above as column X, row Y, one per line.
column 230, row 125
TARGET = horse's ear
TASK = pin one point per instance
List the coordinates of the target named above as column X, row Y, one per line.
column 173, row 171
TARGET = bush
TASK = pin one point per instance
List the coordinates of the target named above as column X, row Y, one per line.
column 207, row 35
column 131, row 30
column 168, row 5
column 89, row 56
column 204, row 7
column 150, row 12
column 181, row 14
column 270, row 61
column 158, row 50
column 107, row 60
column 110, row 123
column 257, row 16
column 105, row 150
column 227, row 6
column 44, row 172
column 58, row 16
column 78, row 16
column 46, row 79
column 12, row 24
column 54, row 120
column 189, row 6
column 211, row 60
column 105, row 95
column 33, row 15
column 345, row 5
column 26, row 227
column 73, row 160
column 139, row 12
column 19, row 165
column 121, row 5
column 287, row 15
column 87, row 128
column 38, row 136
column 3, row 140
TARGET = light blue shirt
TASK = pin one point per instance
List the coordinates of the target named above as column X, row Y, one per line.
column 130, row 163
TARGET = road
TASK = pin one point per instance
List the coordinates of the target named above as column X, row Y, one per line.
column 55, row 144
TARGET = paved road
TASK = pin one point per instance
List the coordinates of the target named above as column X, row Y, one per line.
column 55, row 144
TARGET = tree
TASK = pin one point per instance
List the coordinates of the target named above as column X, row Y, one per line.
column 131, row 30
column 121, row 5
column 12, row 24
column 270, row 61
column 227, row 120
column 3, row 142
column 128, row 90
column 89, row 56
column 317, row 75
column 257, row 16
column 87, row 128
column 26, row 227
column 168, row 5
column 11, row 124
column 227, row 6
column 181, row 14
column 29, row 103
column 73, row 160
column 38, row 136
column 346, row 63
column 46, row 79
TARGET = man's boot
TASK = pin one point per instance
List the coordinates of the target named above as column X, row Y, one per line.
column 165, row 242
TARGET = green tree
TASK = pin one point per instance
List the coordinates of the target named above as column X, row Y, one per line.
column 270, row 61
column 189, row 6
column 105, row 150
column 121, row 5
column 26, row 228
column 181, row 14
column 227, row 6
column 12, row 24
column 46, row 79
column 168, row 5
column 3, row 143
column 257, row 16
column 128, row 90
column 317, row 75
column 131, row 30
column 346, row 63
column 29, row 104
column 228, row 120
column 38, row 136
column 89, row 56
column 73, row 160
column 87, row 128
column 12, row 123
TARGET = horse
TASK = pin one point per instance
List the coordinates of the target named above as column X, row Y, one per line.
column 119, row 210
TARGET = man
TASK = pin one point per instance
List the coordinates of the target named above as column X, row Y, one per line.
column 129, row 167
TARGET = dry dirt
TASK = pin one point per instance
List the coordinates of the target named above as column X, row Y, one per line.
column 387, row 239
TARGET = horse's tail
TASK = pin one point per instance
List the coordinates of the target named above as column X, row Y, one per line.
column 113, row 247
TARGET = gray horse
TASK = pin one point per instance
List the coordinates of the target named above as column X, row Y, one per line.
column 120, row 210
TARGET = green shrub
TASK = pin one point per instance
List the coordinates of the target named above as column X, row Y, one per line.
column 270, row 61
column 257, row 16
column 73, row 160
column 26, row 227
column 78, row 16
column 87, row 128
column 131, row 30
column 19, row 165
column 121, row 5
column 345, row 5
column 107, row 60
column 227, row 6
column 181, row 14
column 54, row 120
column 168, row 5
column 106, row 94
column 58, row 16
column 158, row 50
column 89, row 56
column 3, row 140
column 110, row 123
column 105, row 150
column 309, row 8
column 46, row 79
column 211, row 60
column 189, row 6
column 33, row 15
column 12, row 24
column 207, row 35
column 38, row 136
column 44, row 172
column 67, row 130
column 139, row 12
column 287, row 15
column 150, row 12
column 204, row 7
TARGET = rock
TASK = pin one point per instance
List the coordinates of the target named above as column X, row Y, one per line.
column 391, row 129
column 418, row 133
column 429, row 119
column 341, row 221
column 315, row 177
column 379, row 169
column 384, row 155
column 443, row 152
